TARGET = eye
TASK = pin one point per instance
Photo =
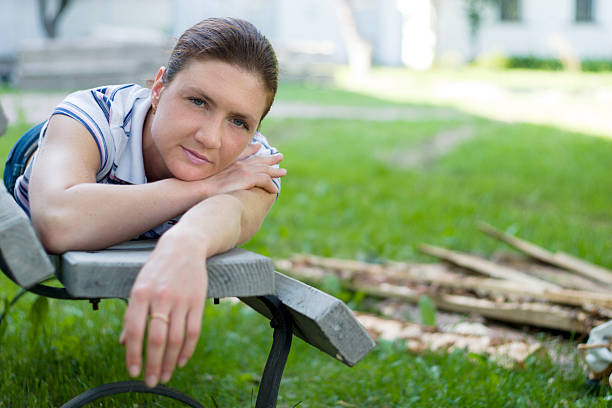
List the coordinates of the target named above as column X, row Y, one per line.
column 198, row 101
column 240, row 123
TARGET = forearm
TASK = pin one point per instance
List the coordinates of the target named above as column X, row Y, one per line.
column 219, row 223
column 93, row 216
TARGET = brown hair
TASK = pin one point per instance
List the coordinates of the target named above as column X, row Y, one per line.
column 230, row 40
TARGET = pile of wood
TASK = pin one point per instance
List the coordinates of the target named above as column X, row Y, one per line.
column 548, row 290
column 509, row 352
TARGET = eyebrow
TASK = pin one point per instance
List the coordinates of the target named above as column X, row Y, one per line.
column 212, row 102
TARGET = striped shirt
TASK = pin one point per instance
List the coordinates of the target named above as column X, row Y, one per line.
column 114, row 117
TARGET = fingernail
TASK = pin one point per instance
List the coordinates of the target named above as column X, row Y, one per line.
column 134, row 370
column 151, row 381
column 182, row 362
column 165, row 377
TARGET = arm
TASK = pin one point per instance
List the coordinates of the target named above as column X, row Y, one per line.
column 174, row 282
column 71, row 212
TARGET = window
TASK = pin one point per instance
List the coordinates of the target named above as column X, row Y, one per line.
column 509, row 10
column 584, row 11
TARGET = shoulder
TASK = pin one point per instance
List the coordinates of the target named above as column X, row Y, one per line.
column 104, row 100
column 266, row 149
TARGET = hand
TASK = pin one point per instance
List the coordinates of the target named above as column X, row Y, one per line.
column 248, row 171
column 171, row 288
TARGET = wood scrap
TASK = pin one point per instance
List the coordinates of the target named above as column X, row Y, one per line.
column 559, row 259
column 443, row 276
column 419, row 339
column 594, row 346
column 560, row 277
column 486, row 267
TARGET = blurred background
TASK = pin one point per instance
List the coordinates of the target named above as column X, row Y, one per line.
column 401, row 122
column 73, row 44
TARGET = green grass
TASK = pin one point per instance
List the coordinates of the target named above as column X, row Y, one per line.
column 342, row 197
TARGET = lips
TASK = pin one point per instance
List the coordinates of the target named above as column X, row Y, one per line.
column 195, row 157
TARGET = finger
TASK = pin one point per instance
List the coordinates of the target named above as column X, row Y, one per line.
column 134, row 323
column 156, row 345
column 250, row 150
column 269, row 160
column 276, row 172
column 176, row 335
column 264, row 181
column 192, row 332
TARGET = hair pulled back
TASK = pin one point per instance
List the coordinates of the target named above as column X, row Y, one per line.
column 229, row 40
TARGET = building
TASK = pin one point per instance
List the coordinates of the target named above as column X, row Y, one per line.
column 413, row 33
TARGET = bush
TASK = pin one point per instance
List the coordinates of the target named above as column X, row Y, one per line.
column 594, row 65
column 530, row 62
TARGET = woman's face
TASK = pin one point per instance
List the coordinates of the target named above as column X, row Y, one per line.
column 203, row 119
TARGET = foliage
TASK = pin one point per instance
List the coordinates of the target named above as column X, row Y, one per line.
column 530, row 62
column 428, row 311
column 596, row 65
column 474, row 10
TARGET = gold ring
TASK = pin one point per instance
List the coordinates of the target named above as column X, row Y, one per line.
column 161, row 317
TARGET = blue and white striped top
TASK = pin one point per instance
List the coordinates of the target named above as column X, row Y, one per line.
column 114, row 116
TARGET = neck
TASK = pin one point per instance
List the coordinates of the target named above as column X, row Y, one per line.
column 150, row 155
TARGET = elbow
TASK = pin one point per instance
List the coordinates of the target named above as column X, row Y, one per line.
column 54, row 232
column 248, row 222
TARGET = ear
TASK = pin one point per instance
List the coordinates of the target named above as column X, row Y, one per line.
column 158, row 86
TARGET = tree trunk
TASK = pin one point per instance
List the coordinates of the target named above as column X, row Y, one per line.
column 359, row 50
column 49, row 22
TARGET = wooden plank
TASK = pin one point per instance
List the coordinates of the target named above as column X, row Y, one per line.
column 536, row 314
column 559, row 259
column 110, row 273
column 22, row 257
column 502, row 287
column 561, row 277
column 321, row 320
column 486, row 267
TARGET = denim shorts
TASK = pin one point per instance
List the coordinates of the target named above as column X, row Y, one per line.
column 19, row 155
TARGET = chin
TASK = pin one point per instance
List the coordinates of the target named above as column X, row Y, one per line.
column 187, row 173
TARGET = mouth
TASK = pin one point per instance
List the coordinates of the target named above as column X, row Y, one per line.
column 195, row 157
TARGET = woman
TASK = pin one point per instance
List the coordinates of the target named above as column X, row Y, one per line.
column 119, row 162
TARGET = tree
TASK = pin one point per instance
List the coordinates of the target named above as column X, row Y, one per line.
column 474, row 10
column 49, row 17
column 359, row 50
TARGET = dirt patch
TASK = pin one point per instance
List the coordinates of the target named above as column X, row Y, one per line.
column 431, row 150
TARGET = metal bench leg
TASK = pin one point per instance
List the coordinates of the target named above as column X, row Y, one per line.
column 282, row 324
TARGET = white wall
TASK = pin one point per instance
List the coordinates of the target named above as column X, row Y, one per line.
column 548, row 26
column 546, row 29
column 452, row 29
column 307, row 25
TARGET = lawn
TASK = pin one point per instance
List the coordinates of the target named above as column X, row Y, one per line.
column 348, row 194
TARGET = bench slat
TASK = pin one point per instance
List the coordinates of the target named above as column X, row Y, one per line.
column 24, row 258
column 110, row 273
column 320, row 319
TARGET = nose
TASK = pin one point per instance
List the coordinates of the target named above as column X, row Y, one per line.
column 209, row 134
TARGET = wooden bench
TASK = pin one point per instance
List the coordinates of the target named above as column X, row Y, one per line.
column 293, row 307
